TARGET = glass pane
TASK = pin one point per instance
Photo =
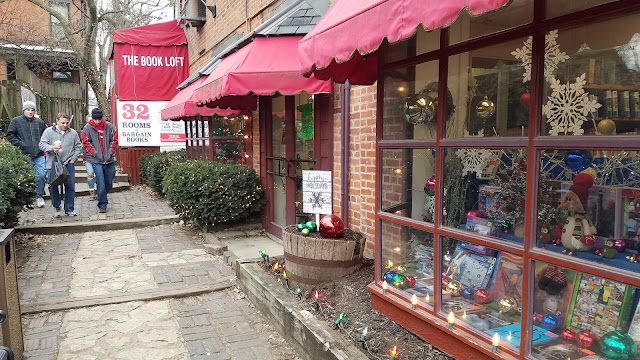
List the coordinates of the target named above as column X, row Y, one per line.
column 407, row 259
column 589, row 205
column 410, row 102
column 482, row 287
column 577, row 316
column 408, row 183
column 229, row 138
column 423, row 42
column 518, row 12
column 278, row 164
column 304, row 158
column 592, row 79
column 557, row 8
column 485, row 192
column 488, row 93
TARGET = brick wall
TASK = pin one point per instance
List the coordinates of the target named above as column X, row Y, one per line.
column 362, row 154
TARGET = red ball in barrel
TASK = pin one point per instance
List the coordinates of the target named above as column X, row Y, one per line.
column 331, row 226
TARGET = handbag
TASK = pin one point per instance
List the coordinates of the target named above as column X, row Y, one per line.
column 59, row 172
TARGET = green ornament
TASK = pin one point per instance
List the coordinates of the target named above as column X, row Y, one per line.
column 305, row 232
column 301, row 226
column 311, row 225
column 399, row 281
column 618, row 345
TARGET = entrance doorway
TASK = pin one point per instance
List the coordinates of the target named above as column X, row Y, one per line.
column 296, row 129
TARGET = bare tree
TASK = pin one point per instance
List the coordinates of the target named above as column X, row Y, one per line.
column 87, row 30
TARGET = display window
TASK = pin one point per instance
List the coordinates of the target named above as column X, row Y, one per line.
column 510, row 155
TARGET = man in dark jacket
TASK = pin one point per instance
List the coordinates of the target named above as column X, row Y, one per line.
column 100, row 139
column 24, row 132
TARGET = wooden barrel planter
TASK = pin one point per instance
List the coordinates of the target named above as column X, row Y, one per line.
column 312, row 260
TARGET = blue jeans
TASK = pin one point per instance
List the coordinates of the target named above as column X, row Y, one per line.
column 104, row 180
column 69, row 190
column 91, row 182
column 38, row 163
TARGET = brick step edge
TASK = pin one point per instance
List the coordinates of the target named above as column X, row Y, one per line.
column 82, row 189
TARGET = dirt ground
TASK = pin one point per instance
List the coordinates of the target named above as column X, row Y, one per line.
column 349, row 295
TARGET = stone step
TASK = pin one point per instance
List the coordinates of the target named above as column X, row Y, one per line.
column 81, row 176
column 83, row 189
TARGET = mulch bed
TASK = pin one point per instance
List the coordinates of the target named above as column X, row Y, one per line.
column 349, row 295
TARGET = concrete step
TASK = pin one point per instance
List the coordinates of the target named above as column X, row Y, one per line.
column 81, row 176
column 83, row 189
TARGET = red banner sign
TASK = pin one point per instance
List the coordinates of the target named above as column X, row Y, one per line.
column 149, row 73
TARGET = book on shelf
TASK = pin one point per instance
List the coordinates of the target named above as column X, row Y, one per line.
column 636, row 104
column 600, row 305
column 614, row 104
column 626, row 107
column 608, row 104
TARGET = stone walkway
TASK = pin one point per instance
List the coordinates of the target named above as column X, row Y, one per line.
column 128, row 204
column 144, row 293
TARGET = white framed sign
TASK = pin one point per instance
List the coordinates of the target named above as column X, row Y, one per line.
column 139, row 124
column 316, row 192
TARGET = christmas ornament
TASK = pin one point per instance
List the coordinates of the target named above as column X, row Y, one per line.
column 455, row 287
column 568, row 106
column 445, row 281
column 430, row 186
column 474, row 213
column 619, row 245
column 525, row 99
column 411, row 281
column 606, row 127
column 608, row 251
column 618, row 345
column 301, row 226
column 331, row 226
column 388, row 276
column 485, row 108
column 311, row 225
column 569, row 334
column 537, row 318
column 399, row 281
column 507, row 304
column 467, row 293
column 550, row 321
column 419, row 109
column 305, row 232
column 586, row 338
column 552, row 55
column 401, row 269
column 578, row 160
column 482, row 296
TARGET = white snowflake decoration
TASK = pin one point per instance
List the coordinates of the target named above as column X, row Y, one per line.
column 568, row 106
column 475, row 160
column 552, row 55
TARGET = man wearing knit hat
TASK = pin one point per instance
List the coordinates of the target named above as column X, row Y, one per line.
column 100, row 140
column 25, row 132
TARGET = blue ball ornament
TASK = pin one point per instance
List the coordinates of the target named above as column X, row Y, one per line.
column 388, row 276
column 578, row 160
column 550, row 321
column 467, row 293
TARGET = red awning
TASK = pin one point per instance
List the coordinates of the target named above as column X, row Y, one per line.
column 183, row 105
column 337, row 46
column 160, row 34
column 263, row 67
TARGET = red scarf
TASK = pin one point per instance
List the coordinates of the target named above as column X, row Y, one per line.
column 100, row 129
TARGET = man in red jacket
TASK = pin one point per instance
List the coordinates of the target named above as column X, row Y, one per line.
column 100, row 139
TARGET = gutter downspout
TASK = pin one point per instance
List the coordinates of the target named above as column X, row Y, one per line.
column 345, row 118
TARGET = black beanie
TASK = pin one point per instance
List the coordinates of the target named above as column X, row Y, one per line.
column 96, row 114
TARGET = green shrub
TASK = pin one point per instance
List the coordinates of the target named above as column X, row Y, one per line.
column 153, row 167
column 212, row 193
column 17, row 184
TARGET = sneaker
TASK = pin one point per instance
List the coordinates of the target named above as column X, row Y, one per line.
column 58, row 213
column 40, row 202
column 100, row 210
column 71, row 213
column 92, row 195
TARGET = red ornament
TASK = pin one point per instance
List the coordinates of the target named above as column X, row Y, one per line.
column 331, row 226
column 482, row 296
column 586, row 338
column 569, row 334
column 525, row 99
column 475, row 213
column 411, row 281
